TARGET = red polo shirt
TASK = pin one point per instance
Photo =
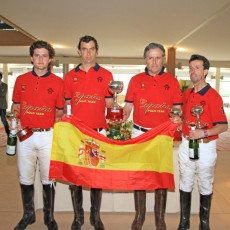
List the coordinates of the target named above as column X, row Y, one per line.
column 153, row 97
column 212, row 104
column 39, row 97
column 87, row 92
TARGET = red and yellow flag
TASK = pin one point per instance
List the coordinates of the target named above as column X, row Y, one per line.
column 84, row 157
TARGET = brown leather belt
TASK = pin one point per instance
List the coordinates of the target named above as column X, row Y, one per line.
column 204, row 140
column 40, row 130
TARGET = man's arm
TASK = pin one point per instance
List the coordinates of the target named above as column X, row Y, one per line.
column 127, row 111
column 215, row 130
column 108, row 102
column 3, row 90
column 58, row 115
column 16, row 109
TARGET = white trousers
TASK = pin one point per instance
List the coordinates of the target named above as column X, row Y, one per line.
column 203, row 167
column 103, row 132
column 37, row 148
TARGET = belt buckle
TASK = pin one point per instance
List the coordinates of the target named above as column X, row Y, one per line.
column 142, row 129
column 40, row 130
column 137, row 127
column 98, row 129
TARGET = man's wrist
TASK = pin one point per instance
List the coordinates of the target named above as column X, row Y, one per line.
column 205, row 134
column 179, row 130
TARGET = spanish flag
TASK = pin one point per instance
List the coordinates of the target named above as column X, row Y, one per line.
column 86, row 158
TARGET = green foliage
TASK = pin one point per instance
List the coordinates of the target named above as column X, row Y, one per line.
column 119, row 131
column 184, row 84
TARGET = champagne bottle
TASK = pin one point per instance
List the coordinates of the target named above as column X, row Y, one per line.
column 12, row 140
column 193, row 147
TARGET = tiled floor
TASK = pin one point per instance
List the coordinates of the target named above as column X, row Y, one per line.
column 11, row 208
column 2, row 136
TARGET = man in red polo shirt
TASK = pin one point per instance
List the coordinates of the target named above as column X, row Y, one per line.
column 38, row 101
column 213, row 121
column 151, row 95
column 86, row 90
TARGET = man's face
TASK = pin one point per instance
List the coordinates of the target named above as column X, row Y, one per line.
column 41, row 59
column 196, row 71
column 154, row 61
column 88, row 53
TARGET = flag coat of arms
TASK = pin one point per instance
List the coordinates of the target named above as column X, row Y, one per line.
column 86, row 158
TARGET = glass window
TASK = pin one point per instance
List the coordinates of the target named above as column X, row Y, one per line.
column 123, row 73
column 225, row 86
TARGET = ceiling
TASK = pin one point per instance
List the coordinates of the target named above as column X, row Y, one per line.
column 122, row 27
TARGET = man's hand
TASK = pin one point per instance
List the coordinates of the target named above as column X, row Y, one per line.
column 127, row 111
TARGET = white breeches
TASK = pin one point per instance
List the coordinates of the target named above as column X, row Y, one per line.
column 36, row 148
column 203, row 167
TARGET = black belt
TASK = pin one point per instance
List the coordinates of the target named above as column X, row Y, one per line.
column 140, row 128
column 98, row 129
column 40, row 130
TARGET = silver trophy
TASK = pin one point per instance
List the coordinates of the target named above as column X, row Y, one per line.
column 115, row 87
column 22, row 134
column 197, row 111
column 175, row 112
column 116, row 111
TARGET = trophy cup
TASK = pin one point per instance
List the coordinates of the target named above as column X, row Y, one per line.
column 197, row 111
column 175, row 112
column 22, row 134
column 115, row 113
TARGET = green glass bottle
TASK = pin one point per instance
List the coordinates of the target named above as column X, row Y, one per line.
column 194, row 147
column 12, row 140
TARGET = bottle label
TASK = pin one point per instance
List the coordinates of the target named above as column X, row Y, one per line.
column 10, row 150
column 191, row 153
column 194, row 153
column 68, row 110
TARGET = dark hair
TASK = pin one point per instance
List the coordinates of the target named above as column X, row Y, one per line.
column 154, row 46
column 42, row 44
column 0, row 75
column 87, row 39
column 206, row 63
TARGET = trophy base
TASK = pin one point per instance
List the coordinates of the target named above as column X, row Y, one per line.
column 114, row 114
column 24, row 134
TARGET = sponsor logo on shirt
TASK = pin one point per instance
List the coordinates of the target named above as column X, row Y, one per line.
column 50, row 91
column 35, row 110
column 86, row 98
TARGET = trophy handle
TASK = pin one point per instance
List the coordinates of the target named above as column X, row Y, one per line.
column 115, row 105
column 199, row 125
column 197, row 111
column 115, row 112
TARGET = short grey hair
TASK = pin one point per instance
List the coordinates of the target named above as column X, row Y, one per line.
column 154, row 46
